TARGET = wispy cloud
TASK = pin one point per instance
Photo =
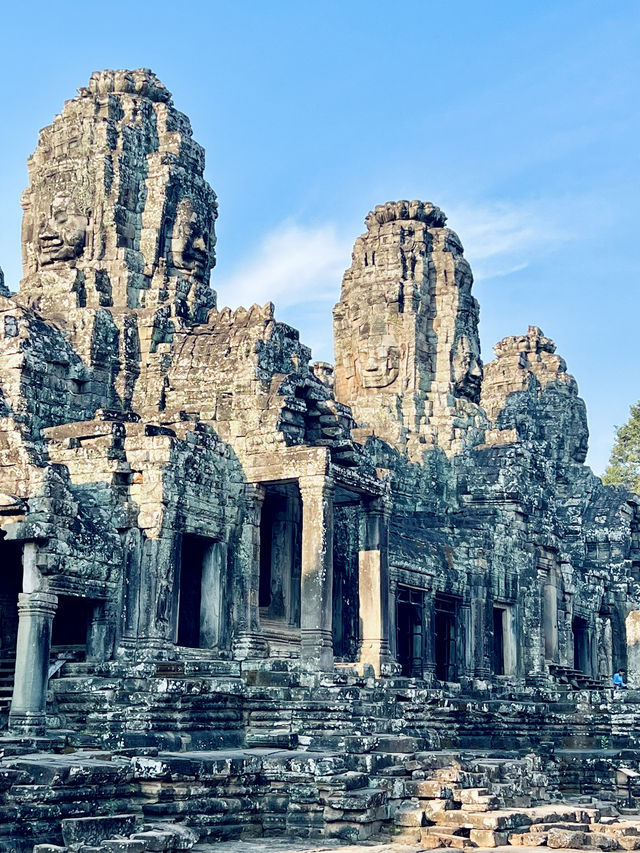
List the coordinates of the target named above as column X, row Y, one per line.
column 293, row 264
column 297, row 265
column 501, row 239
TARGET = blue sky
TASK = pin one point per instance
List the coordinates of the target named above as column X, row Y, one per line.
column 519, row 119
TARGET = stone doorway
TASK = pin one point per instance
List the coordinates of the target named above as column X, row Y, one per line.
column 446, row 617
column 280, row 565
column 410, row 631
column 70, row 627
column 201, row 620
column 10, row 587
column 581, row 645
column 498, row 667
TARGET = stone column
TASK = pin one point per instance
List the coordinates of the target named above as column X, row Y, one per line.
column 481, row 617
column 632, row 624
column 158, row 595
column 550, row 620
column 429, row 663
column 248, row 641
column 212, row 616
column 98, row 639
column 35, row 617
column 464, row 652
column 316, row 641
column 373, row 574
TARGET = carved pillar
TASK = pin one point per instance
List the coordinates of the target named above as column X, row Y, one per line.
column 481, row 631
column 35, row 617
column 632, row 624
column 316, row 652
column 248, row 640
column 464, row 656
column 212, row 616
column 373, row 575
column 429, row 663
column 158, row 595
column 99, row 635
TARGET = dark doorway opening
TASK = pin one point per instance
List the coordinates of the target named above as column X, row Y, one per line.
column 499, row 616
column 409, row 631
column 280, row 557
column 445, row 619
column 346, row 583
column 581, row 645
column 71, row 624
column 10, row 587
column 190, row 599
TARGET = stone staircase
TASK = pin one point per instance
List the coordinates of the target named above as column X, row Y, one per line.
column 495, row 800
column 349, row 758
column 192, row 704
column 574, row 678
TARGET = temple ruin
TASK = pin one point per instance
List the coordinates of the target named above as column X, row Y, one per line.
column 243, row 594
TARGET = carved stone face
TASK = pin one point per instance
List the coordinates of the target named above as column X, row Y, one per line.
column 61, row 231
column 466, row 368
column 379, row 365
column 192, row 240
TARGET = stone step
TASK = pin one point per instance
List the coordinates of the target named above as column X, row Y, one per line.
column 275, row 738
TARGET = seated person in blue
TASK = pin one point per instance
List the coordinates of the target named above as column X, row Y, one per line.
column 618, row 680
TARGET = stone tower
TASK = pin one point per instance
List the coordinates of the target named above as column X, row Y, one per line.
column 118, row 228
column 406, row 331
column 117, row 212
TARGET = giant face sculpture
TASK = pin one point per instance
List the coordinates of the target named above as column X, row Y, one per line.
column 192, row 239
column 60, row 231
column 379, row 364
column 466, row 368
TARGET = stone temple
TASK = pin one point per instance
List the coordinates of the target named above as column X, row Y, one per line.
column 243, row 595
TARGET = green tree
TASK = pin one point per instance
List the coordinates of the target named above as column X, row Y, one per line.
column 624, row 463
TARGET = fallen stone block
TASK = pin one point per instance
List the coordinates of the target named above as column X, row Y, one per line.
column 528, row 839
column 602, row 841
column 567, row 838
column 427, row 789
column 490, row 804
column 470, row 795
column 437, row 810
column 616, row 829
column 94, row 830
column 125, row 845
column 409, row 814
column 489, row 838
column 497, row 820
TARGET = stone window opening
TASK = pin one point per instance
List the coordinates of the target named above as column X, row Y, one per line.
column 410, row 631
